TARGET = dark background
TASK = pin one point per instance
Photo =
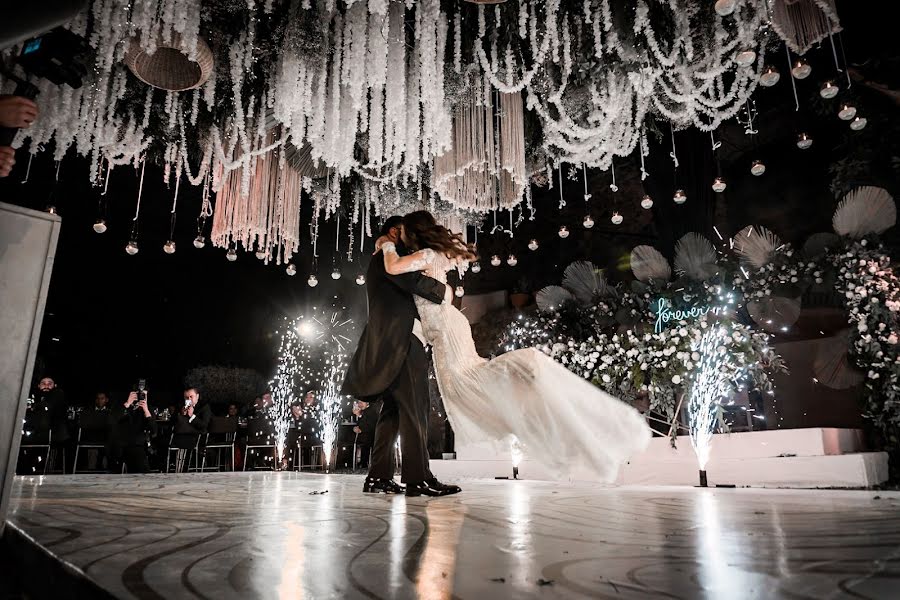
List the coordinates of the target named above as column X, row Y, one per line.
column 112, row 318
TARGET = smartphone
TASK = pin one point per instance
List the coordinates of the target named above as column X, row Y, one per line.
column 141, row 390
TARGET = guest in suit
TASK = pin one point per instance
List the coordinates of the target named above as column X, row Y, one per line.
column 133, row 425
column 192, row 421
column 366, row 418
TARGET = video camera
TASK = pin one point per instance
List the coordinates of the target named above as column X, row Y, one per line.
column 57, row 56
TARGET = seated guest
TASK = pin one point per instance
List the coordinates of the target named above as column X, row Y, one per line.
column 260, row 405
column 192, row 420
column 366, row 417
column 93, row 433
column 51, row 399
column 101, row 402
column 132, row 427
column 232, row 411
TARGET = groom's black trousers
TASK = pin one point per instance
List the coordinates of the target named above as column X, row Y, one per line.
column 404, row 411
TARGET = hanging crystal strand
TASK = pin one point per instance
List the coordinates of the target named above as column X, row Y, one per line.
column 587, row 195
column 528, row 203
column 613, row 186
column 643, row 152
column 672, row 154
column 793, row 83
column 844, row 57
column 28, row 168
column 137, row 209
column 562, row 202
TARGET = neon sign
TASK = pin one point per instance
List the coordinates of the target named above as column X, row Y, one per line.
column 664, row 312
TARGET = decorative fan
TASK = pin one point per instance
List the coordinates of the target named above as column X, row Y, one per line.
column 863, row 211
column 775, row 313
column 755, row 245
column 551, row 297
column 832, row 366
column 695, row 257
column 648, row 264
column 583, row 280
column 819, row 243
column 168, row 67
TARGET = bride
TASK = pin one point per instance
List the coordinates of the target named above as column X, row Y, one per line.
column 560, row 419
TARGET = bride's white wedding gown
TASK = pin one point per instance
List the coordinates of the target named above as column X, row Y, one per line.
column 560, row 419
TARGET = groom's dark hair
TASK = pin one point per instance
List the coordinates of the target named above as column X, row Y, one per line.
column 391, row 222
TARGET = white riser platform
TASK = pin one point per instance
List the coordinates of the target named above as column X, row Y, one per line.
column 822, row 457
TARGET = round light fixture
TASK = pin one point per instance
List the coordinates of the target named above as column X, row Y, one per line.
column 100, row 226
column 291, row 269
column 801, row 69
column 588, row 222
column 616, row 219
column 769, row 77
column 476, row 267
column 680, row 197
column 169, row 247
column 804, row 141
column 360, row 279
column 336, row 274
column 858, row 123
column 646, row 202
column 563, row 232
column 131, row 247
column 231, row 255
column 829, row 90
column 745, row 58
column 533, row 245
column 725, row 7
column 460, row 292
column 512, row 260
column 847, row 112
column 495, row 260
column 719, row 185
column 758, row 168
column 199, row 241
column 313, row 281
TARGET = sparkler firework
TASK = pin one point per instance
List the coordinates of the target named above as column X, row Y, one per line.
column 312, row 357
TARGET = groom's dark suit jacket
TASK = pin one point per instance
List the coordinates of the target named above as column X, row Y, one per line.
column 384, row 343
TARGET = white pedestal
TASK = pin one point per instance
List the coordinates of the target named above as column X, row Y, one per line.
column 801, row 458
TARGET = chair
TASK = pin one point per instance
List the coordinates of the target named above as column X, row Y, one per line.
column 315, row 455
column 183, row 453
column 93, row 433
column 39, row 438
column 260, row 436
column 221, row 435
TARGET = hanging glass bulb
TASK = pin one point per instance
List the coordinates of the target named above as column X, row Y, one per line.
column 460, row 292
column 512, row 260
column 495, row 260
column 858, row 123
column 169, row 247
column 360, row 279
column 646, row 202
column 616, row 219
column 563, row 232
column 847, row 112
column 533, row 245
column 801, row 69
column 199, row 241
column 100, row 226
column 336, row 274
column 680, row 197
column 758, row 168
column 261, row 254
column 231, row 255
column 725, row 7
column 745, row 58
column 476, row 267
column 131, row 247
column 769, row 77
column 291, row 269
column 719, row 184
column 588, row 222
column 829, row 90
column 313, row 281
column 804, row 141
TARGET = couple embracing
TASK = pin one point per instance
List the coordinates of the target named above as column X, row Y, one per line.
column 523, row 395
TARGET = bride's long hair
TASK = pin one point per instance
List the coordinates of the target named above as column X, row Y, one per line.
column 420, row 230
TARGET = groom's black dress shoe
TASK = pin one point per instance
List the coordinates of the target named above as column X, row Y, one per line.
column 446, row 487
column 374, row 485
column 423, row 488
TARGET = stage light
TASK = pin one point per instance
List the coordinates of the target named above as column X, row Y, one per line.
column 646, row 202
column 306, row 329
column 100, row 226
column 680, row 197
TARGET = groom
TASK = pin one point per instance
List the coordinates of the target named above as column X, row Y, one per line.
column 390, row 363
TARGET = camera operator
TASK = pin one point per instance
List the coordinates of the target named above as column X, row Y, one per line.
column 133, row 421
column 16, row 112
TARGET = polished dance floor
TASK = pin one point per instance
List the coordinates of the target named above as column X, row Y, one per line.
column 289, row 535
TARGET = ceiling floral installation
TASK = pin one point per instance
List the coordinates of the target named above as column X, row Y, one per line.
column 380, row 106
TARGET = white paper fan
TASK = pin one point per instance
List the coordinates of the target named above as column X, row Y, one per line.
column 774, row 314
column 583, row 279
column 551, row 297
column 695, row 257
column 865, row 210
column 831, row 365
column 755, row 245
column 648, row 264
